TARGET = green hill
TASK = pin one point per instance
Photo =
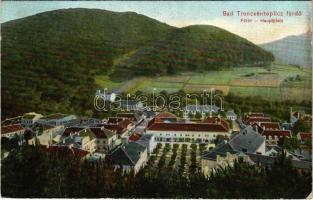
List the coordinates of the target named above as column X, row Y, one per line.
column 49, row 60
column 197, row 47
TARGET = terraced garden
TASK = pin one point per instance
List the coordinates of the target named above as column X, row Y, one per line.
column 185, row 158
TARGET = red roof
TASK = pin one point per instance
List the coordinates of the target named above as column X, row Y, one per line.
column 195, row 127
column 251, row 120
column 11, row 128
column 277, row 133
column 305, row 136
column 67, row 151
column 166, row 115
column 134, row 137
column 151, row 122
column 216, row 120
column 270, row 125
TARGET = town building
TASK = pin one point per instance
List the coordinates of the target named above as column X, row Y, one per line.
column 11, row 131
column 106, row 95
column 135, row 118
column 29, row 119
column 247, row 141
column 59, row 119
column 131, row 105
column 272, row 136
column 45, row 134
column 119, row 126
column 304, row 137
column 193, row 109
column 130, row 156
column 250, row 147
column 231, row 115
column 148, row 141
column 93, row 139
column 168, row 128
column 253, row 118
column 68, row 151
column 272, row 131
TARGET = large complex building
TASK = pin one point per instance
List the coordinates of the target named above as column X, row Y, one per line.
column 168, row 128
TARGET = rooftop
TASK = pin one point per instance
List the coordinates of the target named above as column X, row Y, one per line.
column 247, row 139
column 11, row 128
column 305, row 136
column 270, row 125
column 54, row 116
column 193, row 127
column 67, row 151
column 127, row 154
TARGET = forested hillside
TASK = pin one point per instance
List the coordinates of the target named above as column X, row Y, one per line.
column 49, row 60
column 197, row 47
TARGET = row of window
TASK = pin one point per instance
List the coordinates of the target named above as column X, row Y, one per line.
column 181, row 140
column 186, row 135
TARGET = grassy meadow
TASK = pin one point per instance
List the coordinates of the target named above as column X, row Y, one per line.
column 281, row 82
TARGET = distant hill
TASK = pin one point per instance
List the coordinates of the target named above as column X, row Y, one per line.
column 294, row 50
column 49, row 60
column 197, row 47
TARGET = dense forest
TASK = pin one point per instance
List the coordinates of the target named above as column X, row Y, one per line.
column 49, row 60
column 193, row 48
column 29, row 172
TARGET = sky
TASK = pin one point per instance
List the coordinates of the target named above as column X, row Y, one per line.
column 186, row 13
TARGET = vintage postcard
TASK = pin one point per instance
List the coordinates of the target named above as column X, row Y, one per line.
column 156, row 99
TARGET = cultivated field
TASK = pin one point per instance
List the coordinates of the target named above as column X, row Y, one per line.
column 282, row 82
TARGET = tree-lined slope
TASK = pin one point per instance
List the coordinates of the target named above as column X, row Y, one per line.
column 197, row 47
column 49, row 60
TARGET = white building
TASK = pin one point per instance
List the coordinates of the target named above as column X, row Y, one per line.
column 187, row 132
column 231, row 115
column 148, row 141
column 29, row 119
column 106, row 96
column 59, row 119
